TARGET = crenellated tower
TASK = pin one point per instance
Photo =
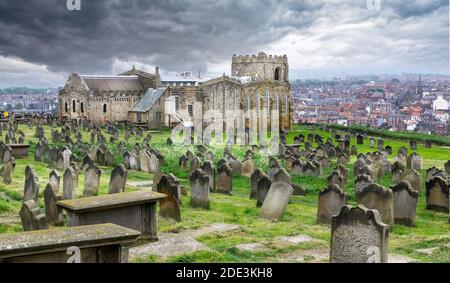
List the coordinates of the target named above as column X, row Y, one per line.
column 261, row 67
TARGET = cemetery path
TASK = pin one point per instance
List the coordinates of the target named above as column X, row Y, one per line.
column 172, row 244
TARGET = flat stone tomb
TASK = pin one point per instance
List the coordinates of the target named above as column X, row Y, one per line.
column 134, row 210
column 19, row 150
column 104, row 243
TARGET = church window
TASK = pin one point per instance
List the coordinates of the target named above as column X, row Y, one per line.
column 73, row 106
column 82, row 107
column 66, row 108
column 190, row 110
column 224, row 103
column 105, row 108
column 277, row 74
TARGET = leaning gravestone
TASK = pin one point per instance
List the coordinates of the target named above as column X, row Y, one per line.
column 415, row 179
column 92, row 180
column 358, row 236
column 170, row 205
column 405, row 203
column 69, row 183
column 331, row 201
column 118, row 180
column 32, row 217
column 276, row 201
column 224, row 180
column 379, row 198
column 53, row 212
column 54, row 179
column 236, row 167
column 31, row 188
column 437, row 193
column 200, row 191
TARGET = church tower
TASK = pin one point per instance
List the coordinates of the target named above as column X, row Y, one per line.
column 261, row 67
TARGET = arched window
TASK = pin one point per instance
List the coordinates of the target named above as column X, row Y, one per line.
column 66, row 107
column 82, row 107
column 73, row 106
column 105, row 108
column 277, row 74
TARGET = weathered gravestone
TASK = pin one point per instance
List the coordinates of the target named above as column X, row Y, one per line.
column 69, row 183
column 258, row 173
column 236, row 167
column 405, row 203
column 336, row 179
column 54, row 179
column 170, row 205
column 276, row 201
column 224, row 180
column 358, row 236
column 208, row 169
column 53, row 212
column 31, row 188
column 379, row 198
column 200, row 190
column 447, row 167
column 437, row 193
column 331, row 201
column 31, row 216
column 118, row 180
column 262, row 188
column 248, row 166
column 91, row 180
column 415, row 179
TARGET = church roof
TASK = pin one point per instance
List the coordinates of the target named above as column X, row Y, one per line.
column 148, row 100
column 113, row 83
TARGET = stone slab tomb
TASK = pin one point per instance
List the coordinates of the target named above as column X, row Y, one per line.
column 134, row 210
column 105, row 243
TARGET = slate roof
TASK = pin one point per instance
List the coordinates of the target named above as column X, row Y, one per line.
column 148, row 100
column 113, row 83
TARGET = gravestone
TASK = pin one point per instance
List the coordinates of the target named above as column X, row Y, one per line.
column 92, row 180
column 182, row 162
column 208, row 169
column 276, row 201
column 379, row 198
column 118, row 180
column 331, row 201
column 53, row 212
column 258, row 173
column 54, row 179
column 200, row 190
column 359, row 139
column 358, row 236
column 236, row 167
column 248, row 166
column 413, row 145
column 194, row 164
column 262, row 188
column 170, row 205
column 224, row 180
column 109, row 158
column 437, row 193
column 31, row 188
column 144, row 161
column 31, row 216
column 282, row 176
column 405, row 204
column 414, row 179
column 336, row 179
column 69, row 183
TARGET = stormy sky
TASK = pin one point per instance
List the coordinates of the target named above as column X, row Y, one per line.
column 41, row 41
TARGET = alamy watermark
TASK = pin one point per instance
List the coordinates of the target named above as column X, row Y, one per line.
column 73, row 5
column 233, row 127
column 374, row 5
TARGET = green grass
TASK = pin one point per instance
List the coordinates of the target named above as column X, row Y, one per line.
column 432, row 228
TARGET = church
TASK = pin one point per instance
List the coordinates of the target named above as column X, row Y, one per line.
column 256, row 83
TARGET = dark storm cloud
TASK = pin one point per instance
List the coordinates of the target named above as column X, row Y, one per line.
column 176, row 35
column 180, row 35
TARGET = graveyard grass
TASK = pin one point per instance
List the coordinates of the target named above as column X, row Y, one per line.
column 432, row 228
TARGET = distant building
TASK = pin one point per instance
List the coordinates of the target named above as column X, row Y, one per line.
column 440, row 103
column 258, row 82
